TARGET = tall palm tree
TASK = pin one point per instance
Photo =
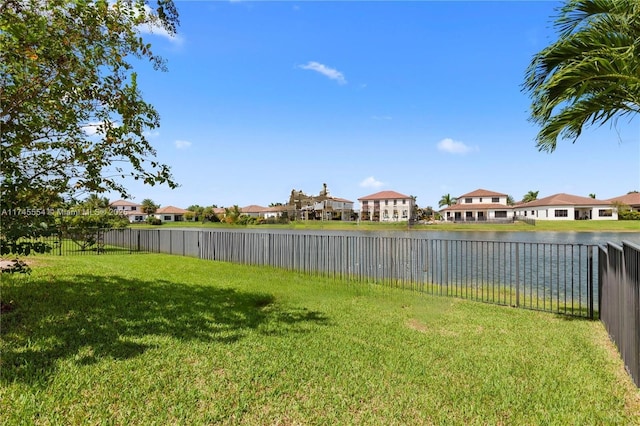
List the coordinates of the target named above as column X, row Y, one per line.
column 447, row 200
column 530, row 196
column 591, row 74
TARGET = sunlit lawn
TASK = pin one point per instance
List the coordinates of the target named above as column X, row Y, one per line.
column 159, row 339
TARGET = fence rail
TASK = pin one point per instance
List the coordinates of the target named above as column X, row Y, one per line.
column 619, row 268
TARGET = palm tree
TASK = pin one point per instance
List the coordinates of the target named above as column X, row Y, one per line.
column 591, row 74
column 592, row 196
column 94, row 201
column 510, row 200
column 530, row 196
column 148, row 206
column 447, row 200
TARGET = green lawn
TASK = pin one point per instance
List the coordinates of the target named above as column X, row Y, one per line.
column 158, row 339
column 541, row 225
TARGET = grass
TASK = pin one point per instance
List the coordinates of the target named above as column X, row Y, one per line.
column 158, row 339
column 541, row 225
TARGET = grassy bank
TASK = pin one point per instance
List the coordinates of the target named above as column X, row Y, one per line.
column 143, row 339
column 548, row 225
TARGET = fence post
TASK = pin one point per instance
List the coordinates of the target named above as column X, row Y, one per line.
column 517, row 274
column 590, row 280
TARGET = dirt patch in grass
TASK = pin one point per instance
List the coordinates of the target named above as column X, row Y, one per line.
column 414, row 324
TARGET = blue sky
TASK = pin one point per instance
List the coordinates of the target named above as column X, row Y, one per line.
column 422, row 98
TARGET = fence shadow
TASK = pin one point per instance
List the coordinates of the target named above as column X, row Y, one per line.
column 89, row 318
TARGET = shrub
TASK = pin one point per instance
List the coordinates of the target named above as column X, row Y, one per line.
column 152, row 220
column 628, row 215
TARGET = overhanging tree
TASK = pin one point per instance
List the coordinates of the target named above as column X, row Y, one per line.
column 591, row 74
column 72, row 118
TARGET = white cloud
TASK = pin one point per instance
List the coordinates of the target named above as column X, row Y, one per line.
column 151, row 134
column 180, row 144
column 153, row 28
column 455, row 147
column 371, row 182
column 91, row 129
column 331, row 73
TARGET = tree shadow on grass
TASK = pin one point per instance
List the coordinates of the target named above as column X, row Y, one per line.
column 90, row 318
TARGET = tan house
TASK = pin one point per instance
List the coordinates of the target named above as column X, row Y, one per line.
column 567, row 207
column 480, row 205
column 318, row 207
column 386, row 206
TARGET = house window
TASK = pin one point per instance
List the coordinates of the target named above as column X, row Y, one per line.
column 404, row 213
column 605, row 212
column 386, row 214
column 561, row 213
column 480, row 199
column 167, row 218
column 468, row 200
column 133, row 208
column 501, row 214
column 495, row 199
column 386, row 202
column 395, row 214
column 533, row 213
column 404, row 201
column 395, row 202
column 138, row 219
column 468, row 214
column 364, row 203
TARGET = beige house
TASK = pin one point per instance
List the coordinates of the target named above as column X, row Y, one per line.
column 480, row 205
column 386, row 206
column 567, row 207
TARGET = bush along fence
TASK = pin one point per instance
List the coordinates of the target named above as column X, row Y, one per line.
column 619, row 269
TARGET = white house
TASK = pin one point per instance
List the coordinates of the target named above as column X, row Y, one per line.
column 567, row 207
column 386, row 206
column 132, row 211
column 478, row 206
column 170, row 214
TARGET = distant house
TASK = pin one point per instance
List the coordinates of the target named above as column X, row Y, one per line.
column 631, row 199
column 170, row 214
column 386, row 206
column 478, row 206
column 318, row 207
column 567, row 207
column 254, row 210
column 132, row 211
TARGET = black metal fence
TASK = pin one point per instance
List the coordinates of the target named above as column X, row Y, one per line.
column 619, row 269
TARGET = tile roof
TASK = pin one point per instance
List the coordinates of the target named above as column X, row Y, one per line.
column 253, row 208
column 171, row 210
column 632, row 199
column 483, row 193
column 385, row 195
column 563, row 199
column 123, row 203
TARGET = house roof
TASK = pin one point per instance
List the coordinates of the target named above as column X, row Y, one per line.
column 385, row 195
column 478, row 206
column 253, row 208
column 483, row 193
column 341, row 200
column 563, row 199
column 631, row 199
column 123, row 203
column 171, row 210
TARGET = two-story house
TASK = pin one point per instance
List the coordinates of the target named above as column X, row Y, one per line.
column 386, row 206
column 132, row 211
column 478, row 206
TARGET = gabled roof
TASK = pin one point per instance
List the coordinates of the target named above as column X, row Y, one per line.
column 483, row 193
column 632, row 199
column 385, row 195
column 340, row 200
column 563, row 199
column 171, row 210
column 123, row 203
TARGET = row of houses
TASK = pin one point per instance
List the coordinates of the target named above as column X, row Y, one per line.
column 483, row 205
column 391, row 206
